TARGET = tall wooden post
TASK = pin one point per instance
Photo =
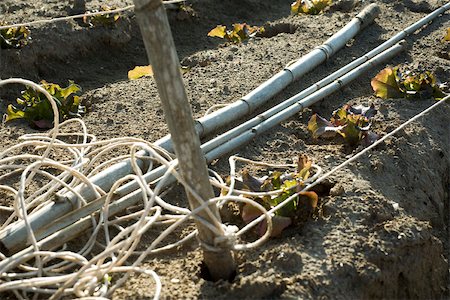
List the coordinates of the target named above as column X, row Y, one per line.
column 160, row 47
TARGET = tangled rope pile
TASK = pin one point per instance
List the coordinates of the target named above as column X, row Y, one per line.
column 64, row 160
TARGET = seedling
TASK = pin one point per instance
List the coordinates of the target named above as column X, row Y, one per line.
column 106, row 20
column 400, row 82
column 36, row 109
column 147, row 71
column 140, row 71
column 351, row 122
column 240, row 32
column 14, row 37
column 312, row 7
column 285, row 185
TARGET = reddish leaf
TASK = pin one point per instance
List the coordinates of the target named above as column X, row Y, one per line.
column 384, row 84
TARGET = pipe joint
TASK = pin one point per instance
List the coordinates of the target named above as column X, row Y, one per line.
column 290, row 71
column 249, row 107
column 262, row 117
column 368, row 15
column 200, row 127
column 327, row 49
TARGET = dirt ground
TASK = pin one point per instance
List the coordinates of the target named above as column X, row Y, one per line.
column 365, row 247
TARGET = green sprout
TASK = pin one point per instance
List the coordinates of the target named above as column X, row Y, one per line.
column 400, row 82
column 106, row 20
column 37, row 110
column 288, row 184
column 185, row 12
column 311, row 7
column 351, row 122
column 14, row 37
column 240, row 32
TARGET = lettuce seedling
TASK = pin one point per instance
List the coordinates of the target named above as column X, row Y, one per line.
column 395, row 83
column 106, row 20
column 311, row 7
column 351, row 122
column 240, row 32
column 36, row 109
column 14, row 37
column 288, row 184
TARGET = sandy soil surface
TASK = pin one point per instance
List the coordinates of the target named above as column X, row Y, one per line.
column 366, row 246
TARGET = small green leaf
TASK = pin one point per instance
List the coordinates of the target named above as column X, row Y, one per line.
column 351, row 122
column 351, row 132
column 385, row 84
column 14, row 37
column 447, row 36
column 303, row 166
column 37, row 110
column 312, row 7
column 394, row 83
column 140, row 71
column 70, row 89
column 13, row 113
column 239, row 33
column 106, row 20
column 352, row 126
column 288, row 185
column 220, row 31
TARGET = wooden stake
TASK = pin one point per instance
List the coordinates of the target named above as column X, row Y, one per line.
column 160, row 47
